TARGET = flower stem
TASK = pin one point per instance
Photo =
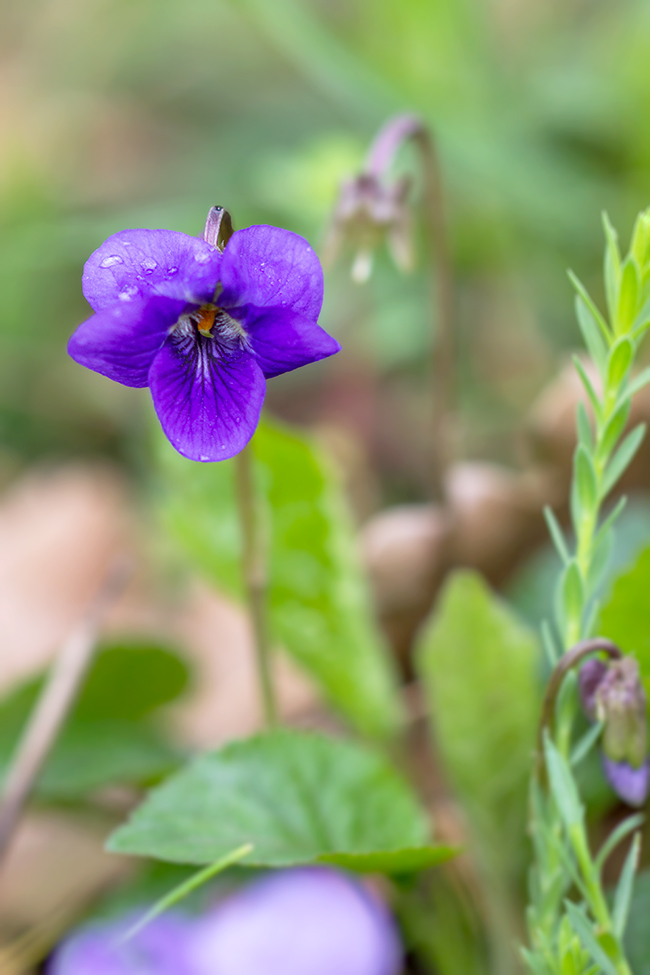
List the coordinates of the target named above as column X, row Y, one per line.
column 381, row 156
column 255, row 578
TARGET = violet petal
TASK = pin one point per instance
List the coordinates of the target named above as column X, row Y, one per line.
column 283, row 340
column 208, row 397
column 591, row 674
column 270, row 267
column 122, row 340
column 159, row 949
column 629, row 783
column 135, row 264
column 294, row 922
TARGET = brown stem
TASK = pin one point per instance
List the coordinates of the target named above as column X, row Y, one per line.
column 255, row 578
column 382, row 153
column 54, row 703
column 566, row 663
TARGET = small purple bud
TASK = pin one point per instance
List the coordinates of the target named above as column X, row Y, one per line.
column 630, row 784
column 308, row 921
column 591, row 675
column 159, row 949
column 621, row 705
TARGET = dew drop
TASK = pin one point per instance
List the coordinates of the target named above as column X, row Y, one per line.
column 128, row 293
column 172, row 270
column 148, row 265
column 111, row 261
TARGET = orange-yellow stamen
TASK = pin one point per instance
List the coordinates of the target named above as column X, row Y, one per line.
column 205, row 321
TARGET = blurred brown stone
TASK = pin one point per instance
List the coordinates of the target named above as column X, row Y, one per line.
column 406, row 551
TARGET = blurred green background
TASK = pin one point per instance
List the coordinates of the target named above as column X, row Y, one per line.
column 118, row 114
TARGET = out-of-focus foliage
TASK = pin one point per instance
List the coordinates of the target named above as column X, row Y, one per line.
column 143, row 114
column 298, row 798
column 624, row 617
column 111, row 735
column 638, row 932
column 320, row 609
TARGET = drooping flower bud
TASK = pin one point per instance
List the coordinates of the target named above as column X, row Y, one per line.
column 591, row 675
column 369, row 211
column 631, row 784
column 621, row 704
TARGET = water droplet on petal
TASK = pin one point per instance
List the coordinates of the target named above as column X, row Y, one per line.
column 128, row 293
column 172, row 270
column 148, row 265
column 111, row 261
column 202, row 257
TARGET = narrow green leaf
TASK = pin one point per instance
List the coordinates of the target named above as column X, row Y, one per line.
column 585, row 744
column 623, row 895
column 478, row 664
column 612, row 268
column 556, row 534
column 628, row 297
column 585, row 433
column 588, row 385
column 296, row 797
column 583, row 928
column 186, row 888
column 591, row 334
column 563, row 786
column 639, row 382
column 394, row 862
column 598, row 318
column 572, row 591
column 614, row 428
column 624, row 616
column 640, row 245
column 320, row 607
column 586, row 483
column 549, row 644
column 622, row 458
column 602, row 550
column 619, row 361
column 611, row 518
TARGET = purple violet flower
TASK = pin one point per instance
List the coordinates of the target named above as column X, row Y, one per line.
column 201, row 327
column 159, row 949
column 306, row 921
column 629, row 783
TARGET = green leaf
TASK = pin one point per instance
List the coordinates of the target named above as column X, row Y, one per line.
column 614, row 428
column 588, row 385
column 556, row 534
column 585, row 485
column 583, row 928
column 622, row 830
column 296, row 797
column 612, row 267
column 563, row 786
column 639, row 382
column 572, row 592
column 622, row 458
column 637, row 935
column 640, row 246
column 619, row 362
column 319, row 604
column 598, row 318
column 591, row 334
column 394, row 863
column 623, row 895
column 628, row 296
column 479, row 667
column 107, row 738
column 585, row 433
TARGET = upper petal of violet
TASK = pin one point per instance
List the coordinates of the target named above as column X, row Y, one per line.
column 269, row 267
column 284, row 340
column 208, row 399
column 121, row 341
column 136, row 264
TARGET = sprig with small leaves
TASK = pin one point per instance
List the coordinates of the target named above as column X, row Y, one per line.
column 584, row 935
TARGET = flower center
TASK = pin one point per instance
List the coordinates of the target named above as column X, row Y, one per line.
column 213, row 322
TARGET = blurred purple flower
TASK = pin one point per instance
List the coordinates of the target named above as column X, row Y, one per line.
column 630, row 783
column 159, row 949
column 202, row 328
column 308, row 921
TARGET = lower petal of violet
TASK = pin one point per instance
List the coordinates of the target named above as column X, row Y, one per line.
column 629, row 783
column 283, row 340
column 121, row 341
column 309, row 921
column 208, row 395
column 161, row 948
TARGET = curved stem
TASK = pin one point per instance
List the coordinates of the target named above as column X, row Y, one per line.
column 565, row 664
column 381, row 156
